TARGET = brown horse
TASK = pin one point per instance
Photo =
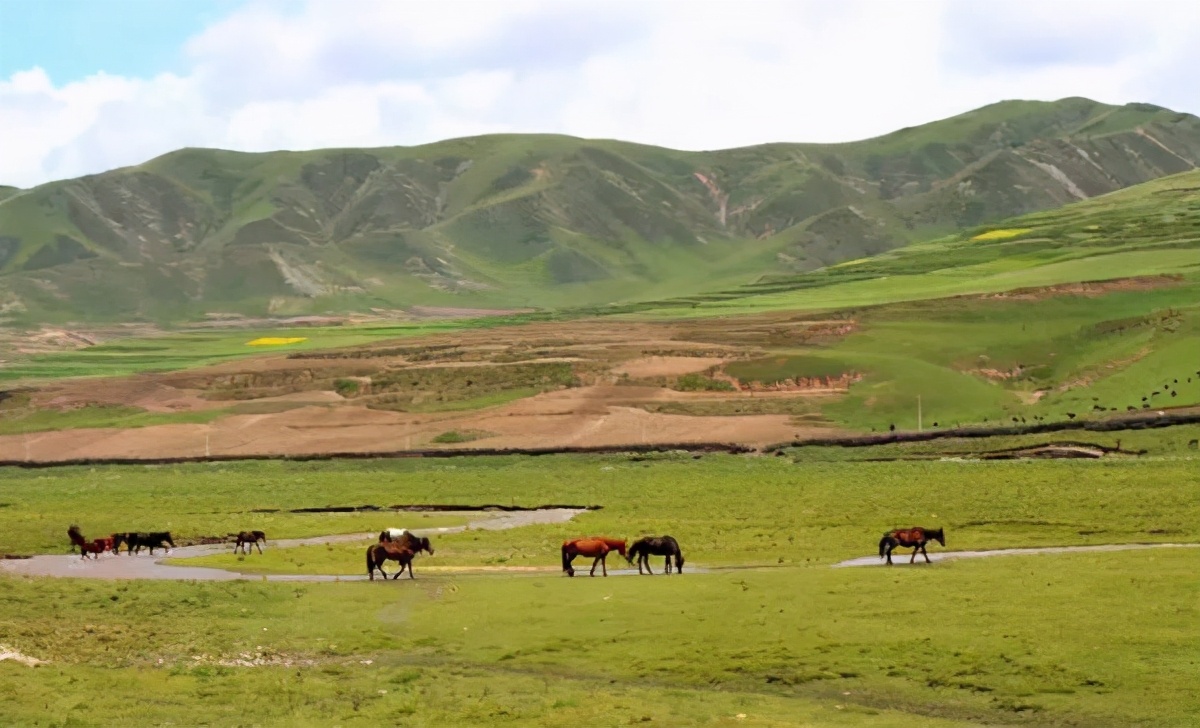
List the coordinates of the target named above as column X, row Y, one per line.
column 96, row 547
column 246, row 538
column 596, row 547
column 378, row 553
column 910, row 538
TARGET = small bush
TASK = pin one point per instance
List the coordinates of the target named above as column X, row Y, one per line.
column 346, row 387
column 455, row 436
column 701, row 383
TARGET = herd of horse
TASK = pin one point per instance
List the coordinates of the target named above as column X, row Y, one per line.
column 133, row 541
column 402, row 546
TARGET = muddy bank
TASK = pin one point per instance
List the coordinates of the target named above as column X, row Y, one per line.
column 901, row 559
column 1141, row 422
column 691, row 447
column 420, row 508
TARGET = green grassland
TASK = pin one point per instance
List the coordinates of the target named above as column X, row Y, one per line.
column 19, row 421
column 1014, row 640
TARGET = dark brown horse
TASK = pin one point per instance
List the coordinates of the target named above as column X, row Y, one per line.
column 134, row 541
column 910, row 538
column 246, row 538
column 644, row 548
column 595, row 547
column 76, row 536
column 402, row 552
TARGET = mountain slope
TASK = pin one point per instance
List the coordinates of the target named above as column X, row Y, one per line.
column 545, row 221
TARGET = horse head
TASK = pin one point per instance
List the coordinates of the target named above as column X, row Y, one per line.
column 938, row 536
column 424, row 545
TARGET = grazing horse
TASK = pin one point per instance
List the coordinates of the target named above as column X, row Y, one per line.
column 666, row 546
column 379, row 553
column 246, row 538
column 597, row 548
column 134, row 541
column 910, row 538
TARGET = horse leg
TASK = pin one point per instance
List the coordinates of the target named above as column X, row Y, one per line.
column 258, row 546
column 398, row 573
column 915, row 549
column 889, row 554
column 924, row 554
column 604, row 564
column 667, row 564
column 410, row 571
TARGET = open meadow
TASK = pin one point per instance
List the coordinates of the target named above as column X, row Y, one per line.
column 759, row 630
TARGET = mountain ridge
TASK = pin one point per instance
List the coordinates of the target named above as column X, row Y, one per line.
column 544, row 220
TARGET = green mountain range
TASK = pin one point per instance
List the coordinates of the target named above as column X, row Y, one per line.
column 544, row 221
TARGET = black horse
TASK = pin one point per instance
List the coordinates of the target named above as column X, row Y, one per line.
column 910, row 538
column 666, row 546
column 134, row 541
column 246, row 539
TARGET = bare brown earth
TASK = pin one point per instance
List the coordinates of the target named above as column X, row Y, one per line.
column 403, row 394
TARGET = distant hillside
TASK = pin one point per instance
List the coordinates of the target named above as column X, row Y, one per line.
column 545, row 221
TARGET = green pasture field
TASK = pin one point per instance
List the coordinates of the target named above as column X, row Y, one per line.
column 14, row 421
column 757, row 626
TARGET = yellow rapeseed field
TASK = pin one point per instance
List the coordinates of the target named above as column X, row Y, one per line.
column 276, row 341
column 1001, row 234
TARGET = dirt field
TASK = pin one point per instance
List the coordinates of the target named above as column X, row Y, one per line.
column 580, row 384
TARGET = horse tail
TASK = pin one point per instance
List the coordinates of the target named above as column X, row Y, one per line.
column 883, row 542
column 566, row 561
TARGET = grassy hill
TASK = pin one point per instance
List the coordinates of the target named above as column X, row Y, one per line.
column 543, row 221
column 1092, row 309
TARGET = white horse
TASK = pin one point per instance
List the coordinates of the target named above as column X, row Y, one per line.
column 393, row 534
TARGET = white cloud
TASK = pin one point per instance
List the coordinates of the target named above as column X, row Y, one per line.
column 681, row 74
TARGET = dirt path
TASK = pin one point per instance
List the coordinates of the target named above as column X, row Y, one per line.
column 147, row 567
column 902, row 560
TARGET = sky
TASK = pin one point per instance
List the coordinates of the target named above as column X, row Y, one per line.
column 90, row 85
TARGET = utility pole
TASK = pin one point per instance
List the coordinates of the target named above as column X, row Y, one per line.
column 919, row 413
